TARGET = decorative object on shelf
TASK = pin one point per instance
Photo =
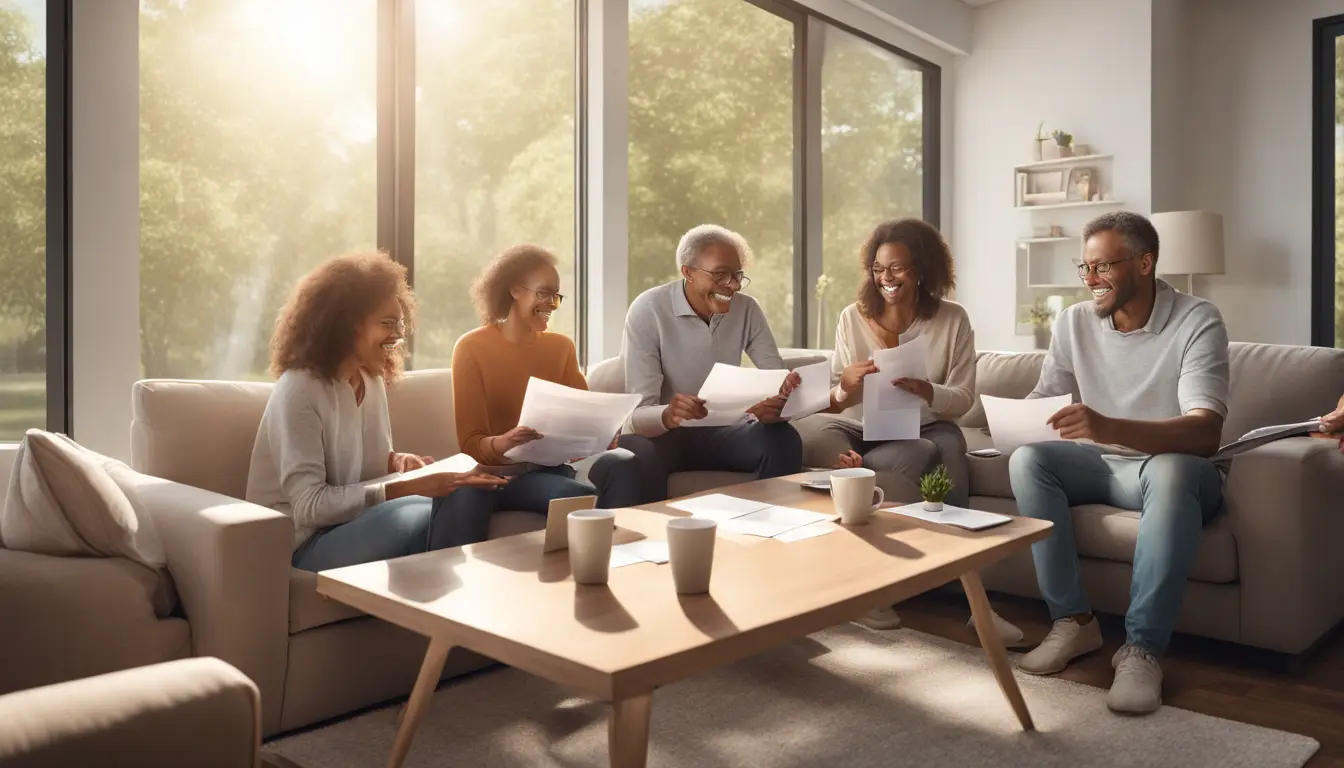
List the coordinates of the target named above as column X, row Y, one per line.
column 1036, row 155
column 1056, row 231
column 1040, row 317
column 1082, row 184
column 1190, row 243
column 934, row 487
column 1064, row 140
column 1041, row 187
column 1082, row 150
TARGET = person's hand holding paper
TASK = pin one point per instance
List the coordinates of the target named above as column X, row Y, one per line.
column 811, row 394
column 565, row 424
column 730, row 391
column 892, row 411
column 1015, row 423
column 1079, row 422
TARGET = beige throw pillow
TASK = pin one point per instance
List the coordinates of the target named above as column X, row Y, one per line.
column 62, row 501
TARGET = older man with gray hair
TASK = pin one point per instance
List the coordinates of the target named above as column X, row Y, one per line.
column 674, row 334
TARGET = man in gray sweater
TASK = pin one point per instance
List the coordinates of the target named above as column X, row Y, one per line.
column 1148, row 368
column 674, row 334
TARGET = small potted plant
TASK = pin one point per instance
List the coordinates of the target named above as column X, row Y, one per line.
column 1040, row 318
column 934, row 487
column 1065, row 141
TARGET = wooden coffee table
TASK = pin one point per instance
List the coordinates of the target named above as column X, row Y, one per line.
column 506, row 600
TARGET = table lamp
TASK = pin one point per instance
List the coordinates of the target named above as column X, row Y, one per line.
column 1190, row 243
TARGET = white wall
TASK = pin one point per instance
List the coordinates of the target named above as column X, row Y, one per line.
column 1082, row 67
column 945, row 23
column 1246, row 140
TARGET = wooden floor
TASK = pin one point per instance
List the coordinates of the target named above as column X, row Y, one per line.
column 1211, row 677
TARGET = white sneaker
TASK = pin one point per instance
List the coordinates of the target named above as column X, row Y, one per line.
column 880, row 618
column 1137, row 689
column 1008, row 632
column 1066, row 641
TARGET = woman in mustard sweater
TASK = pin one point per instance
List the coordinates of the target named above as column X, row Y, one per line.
column 515, row 297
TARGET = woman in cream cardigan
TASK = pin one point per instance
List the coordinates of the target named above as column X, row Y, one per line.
column 907, row 270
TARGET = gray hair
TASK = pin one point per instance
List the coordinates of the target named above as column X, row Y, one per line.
column 1138, row 233
column 701, row 237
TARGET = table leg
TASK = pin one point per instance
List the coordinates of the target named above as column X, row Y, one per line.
column 993, row 645
column 430, row 670
column 628, row 731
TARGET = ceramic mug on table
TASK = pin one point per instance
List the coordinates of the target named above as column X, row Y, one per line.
column 855, row 494
column 590, row 536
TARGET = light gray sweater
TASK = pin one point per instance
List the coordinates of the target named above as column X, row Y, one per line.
column 317, row 451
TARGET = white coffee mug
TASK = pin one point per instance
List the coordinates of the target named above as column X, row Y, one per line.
column 855, row 494
column 590, row 533
column 690, row 552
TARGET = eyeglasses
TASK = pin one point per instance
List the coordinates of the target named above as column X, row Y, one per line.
column 547, row 297
column 1102, row 267
column 891, row 269
column 724, row 278
column 399, row 325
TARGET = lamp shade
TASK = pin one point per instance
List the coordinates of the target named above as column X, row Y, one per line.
column 1189, row 242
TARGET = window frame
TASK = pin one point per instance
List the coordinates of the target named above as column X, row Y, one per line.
column 58, row 246
column 1325, row 32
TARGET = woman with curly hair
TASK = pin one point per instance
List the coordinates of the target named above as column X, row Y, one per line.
column 325, row 437
column 906, row 270
column 515, row 296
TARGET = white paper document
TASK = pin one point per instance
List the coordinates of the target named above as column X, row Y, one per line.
column 812, row 394
column 772, row 521
column 970, row 519
column 1015, row 423
column 1258, row 437
column 457, row 463
column 644, row 550
column 806, row 532
column 718, row 506
column 730, row 390
column 889, row 412
column 573, row 423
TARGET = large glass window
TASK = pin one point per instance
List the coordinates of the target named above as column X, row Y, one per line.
column 872, row 158
column 494, row 153
column 712, row 140
column 1327, row 248
column 23, row 237
column 257, row 161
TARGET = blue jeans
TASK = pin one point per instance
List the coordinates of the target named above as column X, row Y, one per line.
column 1175, row 494
column 766, row 450
column 414, row 524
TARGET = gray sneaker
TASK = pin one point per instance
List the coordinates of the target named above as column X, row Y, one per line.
column 1067, row 641
column 880, row 618
column 1137, row 689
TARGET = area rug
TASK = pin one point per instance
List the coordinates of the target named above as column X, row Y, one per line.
column 846, row 696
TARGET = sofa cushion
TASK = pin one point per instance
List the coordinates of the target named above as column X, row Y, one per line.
column 63, row 501
column 308, row 609
column 1280, row 384
column 1110, row 533
column 420, row 406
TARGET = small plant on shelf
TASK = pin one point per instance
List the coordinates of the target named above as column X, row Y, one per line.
column 934, row 487
column 1063, row 138
column 1041, row 319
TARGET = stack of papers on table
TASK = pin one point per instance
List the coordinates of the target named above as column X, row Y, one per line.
column 754, row 518
column 970, row 519
column 642, row 551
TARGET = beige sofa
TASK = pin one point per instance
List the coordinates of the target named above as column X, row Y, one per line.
column 1268, row 572
column 201, row 713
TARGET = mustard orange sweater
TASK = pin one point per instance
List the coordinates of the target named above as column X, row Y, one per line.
column 490, row 376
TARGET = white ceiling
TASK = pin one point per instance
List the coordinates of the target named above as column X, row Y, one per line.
column 977, row 2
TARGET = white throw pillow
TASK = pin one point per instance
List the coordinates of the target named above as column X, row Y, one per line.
column 63, row 501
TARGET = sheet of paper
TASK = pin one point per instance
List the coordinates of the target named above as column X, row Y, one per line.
column 812, row 394
column 889, row 412
column 574, row 423
column 730, row 390
column 718, row 506
column 772, row 522
column 622, row 557
column 1015, row 423
column 970, row 519
column 907, row 360
column 806, row 532
column 460, row 462
column 650, row 550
